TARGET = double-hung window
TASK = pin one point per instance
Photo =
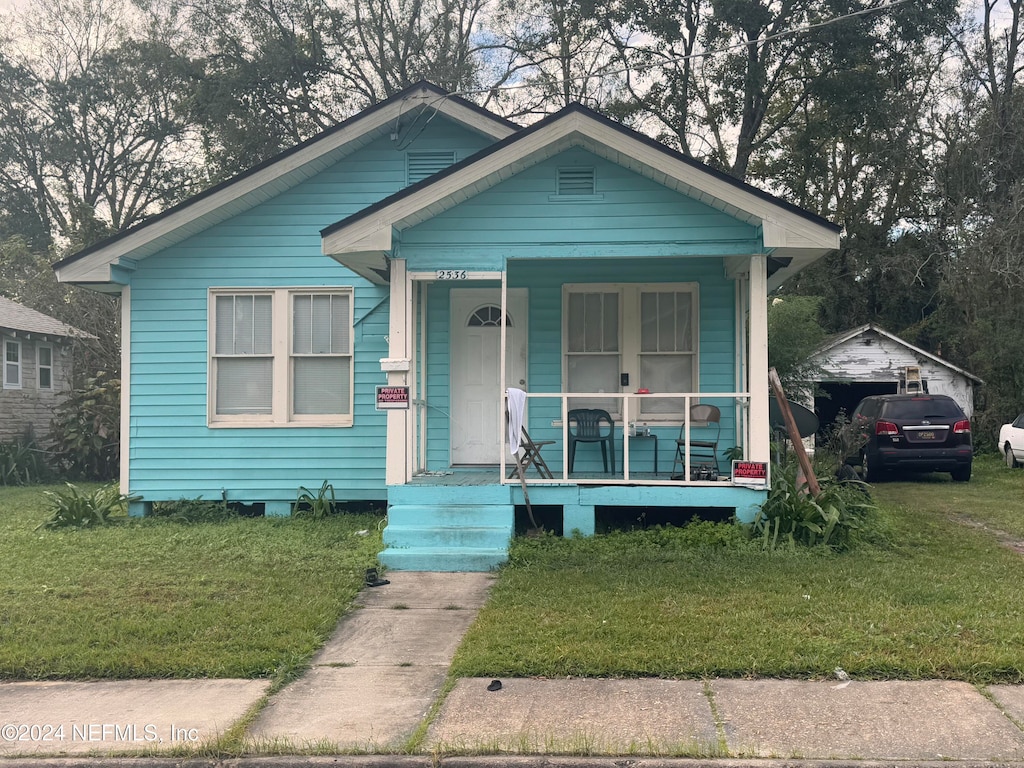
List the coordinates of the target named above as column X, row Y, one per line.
column 281, row 357
column 647, row 331
column 44, row 366
column 12, row 364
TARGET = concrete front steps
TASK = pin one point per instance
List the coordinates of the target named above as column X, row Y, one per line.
column 436, row 530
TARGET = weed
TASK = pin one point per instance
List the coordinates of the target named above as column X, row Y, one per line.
column 315, row 505
column 791, row 515
column 195, row 510
column 77, row 508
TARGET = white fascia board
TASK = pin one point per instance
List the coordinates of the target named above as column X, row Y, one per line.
column 266, row 183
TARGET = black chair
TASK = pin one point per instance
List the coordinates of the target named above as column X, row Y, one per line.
column 592, row 425
column 703, row 450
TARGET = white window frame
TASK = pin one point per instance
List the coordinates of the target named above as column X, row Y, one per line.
column 282, row 397
column 630, row 351
column 40, row 367
column 19, row 364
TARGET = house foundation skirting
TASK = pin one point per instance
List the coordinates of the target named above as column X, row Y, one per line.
column 469, row 527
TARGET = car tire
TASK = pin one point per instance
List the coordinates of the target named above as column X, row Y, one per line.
column 961, row 474
column 872, row 474
column 1011, row 460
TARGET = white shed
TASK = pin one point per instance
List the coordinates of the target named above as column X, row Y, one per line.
column 871, row 361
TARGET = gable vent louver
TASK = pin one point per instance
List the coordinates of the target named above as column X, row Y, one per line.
column 422, row 165
column 576, row 181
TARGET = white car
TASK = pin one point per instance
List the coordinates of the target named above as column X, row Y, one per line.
column 1011, row 442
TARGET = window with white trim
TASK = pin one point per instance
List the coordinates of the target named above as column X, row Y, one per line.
column 646, row 330
column 281, row 357
column 44, row 366
column 12, row 364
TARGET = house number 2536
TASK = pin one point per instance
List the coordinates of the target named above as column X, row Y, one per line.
column 451, row 274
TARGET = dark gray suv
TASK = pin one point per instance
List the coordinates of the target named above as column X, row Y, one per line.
column 919, row 433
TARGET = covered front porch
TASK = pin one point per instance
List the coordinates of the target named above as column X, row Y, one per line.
column 462, row 345
column 588, row 267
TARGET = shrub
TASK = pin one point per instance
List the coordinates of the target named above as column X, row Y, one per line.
column 86, row 430
column 75, row 508
column 792, row 516
column 22, row 462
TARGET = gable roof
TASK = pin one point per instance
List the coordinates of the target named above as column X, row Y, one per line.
column 839, row 339
column 102, row 265
column 15, row 317
column 792, row 236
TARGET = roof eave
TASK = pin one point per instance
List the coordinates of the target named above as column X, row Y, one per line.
column 96, row 266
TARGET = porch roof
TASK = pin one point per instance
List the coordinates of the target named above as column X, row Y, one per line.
column 793, row 236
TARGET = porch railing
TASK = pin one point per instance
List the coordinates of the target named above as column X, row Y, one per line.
column 660, row 432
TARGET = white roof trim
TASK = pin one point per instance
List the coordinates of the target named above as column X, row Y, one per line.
column 251, row 188
column 785, row 232
column 861, row 330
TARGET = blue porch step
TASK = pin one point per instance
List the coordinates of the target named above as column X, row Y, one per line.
column 449, row 537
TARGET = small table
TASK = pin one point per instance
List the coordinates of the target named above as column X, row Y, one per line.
column 653, row 437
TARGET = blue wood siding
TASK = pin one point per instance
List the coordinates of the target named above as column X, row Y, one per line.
column 173, row 454
column 522, row 217
column 632, row 231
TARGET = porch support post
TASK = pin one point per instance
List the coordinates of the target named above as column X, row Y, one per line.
column 396, row 462
column 757, row 370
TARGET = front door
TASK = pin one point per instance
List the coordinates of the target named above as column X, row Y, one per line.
column 476, row 390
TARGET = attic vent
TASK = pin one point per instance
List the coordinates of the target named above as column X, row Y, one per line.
column 576, row 181
column 421, row 165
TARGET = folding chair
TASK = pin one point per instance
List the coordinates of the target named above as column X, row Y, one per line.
column 531, row 457
column 709, row 417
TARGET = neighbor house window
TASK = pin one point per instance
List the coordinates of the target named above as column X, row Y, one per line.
column 44, row 355
column 12, row 364
column 280, row 357
column 647, row 331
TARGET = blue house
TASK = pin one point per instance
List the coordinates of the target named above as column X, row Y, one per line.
column 355, row 311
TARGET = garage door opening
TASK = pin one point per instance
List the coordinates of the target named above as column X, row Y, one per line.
column 844, row 396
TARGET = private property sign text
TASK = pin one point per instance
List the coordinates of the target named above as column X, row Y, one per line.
column 753, row 473
column 392, row 398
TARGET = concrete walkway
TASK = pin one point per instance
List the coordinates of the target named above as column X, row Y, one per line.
column 373, row 685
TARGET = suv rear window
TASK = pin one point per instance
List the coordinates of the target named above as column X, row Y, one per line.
column 922, row 408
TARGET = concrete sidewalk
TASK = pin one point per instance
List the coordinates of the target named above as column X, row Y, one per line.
column 374, row 684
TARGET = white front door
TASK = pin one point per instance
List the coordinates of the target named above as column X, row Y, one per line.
column 477, row 407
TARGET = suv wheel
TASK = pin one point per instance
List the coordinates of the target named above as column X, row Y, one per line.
column 962, row 474
column 872, row 474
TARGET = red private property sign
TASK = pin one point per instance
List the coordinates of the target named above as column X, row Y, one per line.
column 392, row 398
column 753, row 473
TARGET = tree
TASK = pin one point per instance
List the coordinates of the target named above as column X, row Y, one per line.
column 91, row 123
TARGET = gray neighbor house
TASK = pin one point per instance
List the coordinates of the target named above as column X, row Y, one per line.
column 37, row 370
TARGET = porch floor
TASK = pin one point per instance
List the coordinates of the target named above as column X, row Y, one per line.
column 481, row 476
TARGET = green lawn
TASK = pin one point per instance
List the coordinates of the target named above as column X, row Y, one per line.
column 921, row 596
column 155, row 598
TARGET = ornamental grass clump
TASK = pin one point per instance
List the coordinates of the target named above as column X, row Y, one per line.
column 792, row 516
column 75, row 508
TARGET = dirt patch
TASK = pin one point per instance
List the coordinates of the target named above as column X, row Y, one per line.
column 1008, row 540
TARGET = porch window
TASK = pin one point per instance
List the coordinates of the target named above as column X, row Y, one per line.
column 45, row 366
column 281, row 357
column 12, row 364
column 644, row 330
